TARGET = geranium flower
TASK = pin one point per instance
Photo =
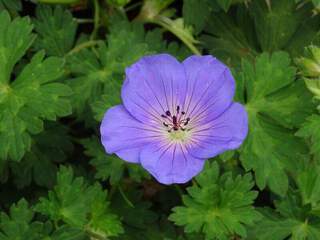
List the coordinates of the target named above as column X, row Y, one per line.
column 175, row 116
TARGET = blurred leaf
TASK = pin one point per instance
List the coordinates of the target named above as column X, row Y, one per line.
column 68, row 233
column 10, row 5
column 56, row 28
column 308, row 182
column 153, row 8
column 118, row 3
column 276, row 23
column 219, row 206
column 226, row 4
column 226, row 39
column 196, row 13
column 291, row 219
column 307, row 33
column 140, row 216
column 311, row 130
column 49, row 147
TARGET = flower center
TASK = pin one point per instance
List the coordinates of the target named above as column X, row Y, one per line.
column 175, row 122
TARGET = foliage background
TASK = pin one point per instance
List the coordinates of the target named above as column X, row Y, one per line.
column 61, row 67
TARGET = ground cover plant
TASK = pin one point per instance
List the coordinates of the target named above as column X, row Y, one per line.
column 63, row 66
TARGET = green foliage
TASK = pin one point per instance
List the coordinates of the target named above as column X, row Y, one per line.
column 49, row 147
column 311, row 130
column 79, row 205
column 33, row 95
column 219, row 206
column 272, row 96
column 62, row 66
column 196, row 13
column 10, row 5
column 96, row 74
column 56, row 29
column 226, row 39
column 18, row 224
column 276, row 23
column 309, row 66
column 297, row 215
column 110, row 166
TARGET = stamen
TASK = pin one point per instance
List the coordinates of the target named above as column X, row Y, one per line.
column 174, row 120
column 187, row 121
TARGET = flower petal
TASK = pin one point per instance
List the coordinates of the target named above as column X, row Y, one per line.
column 153, row 85
column 210, row 87
column 170, row 162
column 226, row 132
column 123, row 135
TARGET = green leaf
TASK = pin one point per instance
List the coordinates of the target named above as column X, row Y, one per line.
column 196, row 13
column 49, row 147
column 272, row 98
column 219, row 206
column 18, row 225
column 307, row 33
column 95, row 74
column 308, row 182
column 224, row 4
column 33, row 95
column 110, row 166
column 15, row 39
column 56, row 28
column 140, row 216
column 291, row 219
column 103, row 222
column 80, row 205
column 227, row 40
column 107, row 101
column 310, row 130
column 118, row 3
column 66, row 232
column 30, row 99
column 276, row 23
column 10, row 5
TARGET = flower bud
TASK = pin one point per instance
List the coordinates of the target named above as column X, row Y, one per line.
column 310, row 65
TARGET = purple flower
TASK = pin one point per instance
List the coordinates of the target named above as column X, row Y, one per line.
column 174, row 116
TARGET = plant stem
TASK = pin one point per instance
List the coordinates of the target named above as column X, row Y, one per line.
column 96, row 19
column 177, row 187
column 59, row 1
column 95, row 235
column 165, row 23
column 83, row 45
column 84, row 20
column 125, row 197
column 133, row 6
